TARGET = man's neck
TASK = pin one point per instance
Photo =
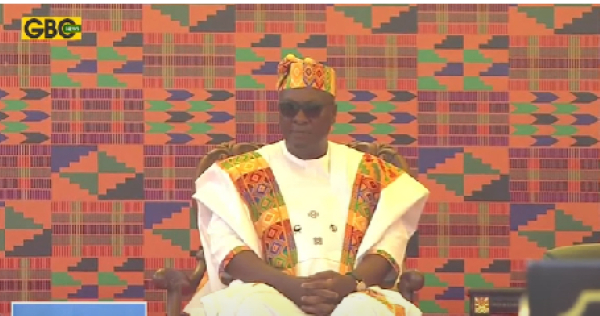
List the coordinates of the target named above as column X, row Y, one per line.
column 307, row 153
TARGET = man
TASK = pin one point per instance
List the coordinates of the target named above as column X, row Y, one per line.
column 305, row 226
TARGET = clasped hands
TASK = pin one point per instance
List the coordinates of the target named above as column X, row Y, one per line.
column 322, row 292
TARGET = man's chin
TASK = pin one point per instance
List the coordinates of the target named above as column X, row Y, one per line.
column 298, row 140
column 297, row 144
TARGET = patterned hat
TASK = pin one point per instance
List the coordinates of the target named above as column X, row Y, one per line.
column 297, row 73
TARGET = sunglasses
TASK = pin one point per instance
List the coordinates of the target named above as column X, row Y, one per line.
column 291, row 109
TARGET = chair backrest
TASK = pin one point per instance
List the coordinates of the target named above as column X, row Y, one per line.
column 383, row 151
column 224, row 151
column 576, row 252
column 227, row 150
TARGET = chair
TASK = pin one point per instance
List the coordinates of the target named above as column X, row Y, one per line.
column 177, row 284
column 576, row 252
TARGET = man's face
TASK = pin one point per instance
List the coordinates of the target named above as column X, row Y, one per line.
column 306, row 116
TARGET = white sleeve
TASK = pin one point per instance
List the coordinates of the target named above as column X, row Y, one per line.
column 394, row 240
column 224, row 242
column 223, row 218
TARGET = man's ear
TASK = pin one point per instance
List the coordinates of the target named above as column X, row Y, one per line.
column 334, row 114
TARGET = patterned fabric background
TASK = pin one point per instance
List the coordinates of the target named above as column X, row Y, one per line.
column 495, row 107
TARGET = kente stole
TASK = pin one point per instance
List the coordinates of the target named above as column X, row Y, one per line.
column 258, row 189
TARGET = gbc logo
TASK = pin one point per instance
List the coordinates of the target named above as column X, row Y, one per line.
column 51, row 28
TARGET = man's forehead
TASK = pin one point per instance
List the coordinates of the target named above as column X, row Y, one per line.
column 305, row 95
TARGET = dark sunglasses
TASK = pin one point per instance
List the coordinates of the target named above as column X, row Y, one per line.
column 291, row 109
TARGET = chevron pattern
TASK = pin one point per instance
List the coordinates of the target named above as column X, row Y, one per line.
column 495, row 107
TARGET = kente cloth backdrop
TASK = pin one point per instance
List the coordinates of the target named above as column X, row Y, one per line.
column 494, row 106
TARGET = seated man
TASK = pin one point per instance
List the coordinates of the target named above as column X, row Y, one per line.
column 305, row 226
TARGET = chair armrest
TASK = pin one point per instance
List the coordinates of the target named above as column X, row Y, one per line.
column 177, row 284
column 171, row 280
column 411, row 281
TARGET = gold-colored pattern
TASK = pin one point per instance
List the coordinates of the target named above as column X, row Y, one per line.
column 305, row 73
column 482, row 305
column 397, row 310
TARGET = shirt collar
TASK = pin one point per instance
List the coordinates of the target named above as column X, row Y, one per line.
column 320, row 165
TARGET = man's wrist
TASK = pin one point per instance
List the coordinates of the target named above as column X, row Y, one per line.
column 359, row 284
column 284, row 284
column 277, row 281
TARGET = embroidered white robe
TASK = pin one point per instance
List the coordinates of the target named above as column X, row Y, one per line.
column 313, row 214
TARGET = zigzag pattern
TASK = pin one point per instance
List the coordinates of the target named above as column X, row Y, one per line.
column 495, row 107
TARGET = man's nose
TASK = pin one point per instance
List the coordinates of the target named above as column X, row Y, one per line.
column 300, row 118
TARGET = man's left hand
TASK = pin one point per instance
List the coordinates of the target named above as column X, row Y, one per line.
column 332, row 281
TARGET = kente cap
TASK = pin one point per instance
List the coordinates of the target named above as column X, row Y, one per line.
column 295, row 73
